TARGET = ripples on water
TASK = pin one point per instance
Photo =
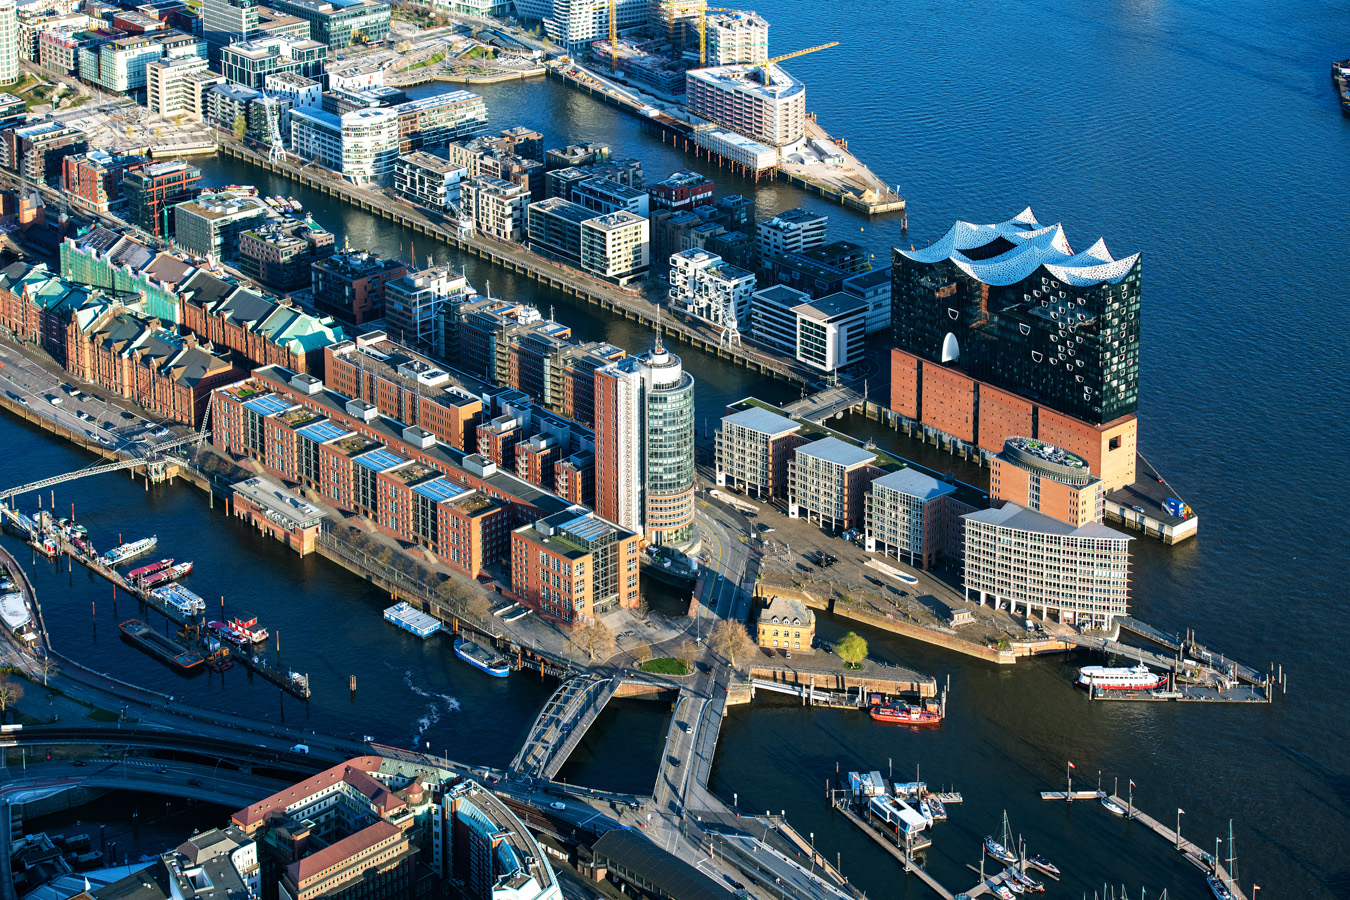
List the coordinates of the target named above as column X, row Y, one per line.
column 1204, row 134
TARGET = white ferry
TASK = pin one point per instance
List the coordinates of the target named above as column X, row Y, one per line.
column 118, row 555
column 1135, row 678
column 180, row 598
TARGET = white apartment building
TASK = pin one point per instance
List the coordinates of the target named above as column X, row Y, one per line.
column 831, row 331
column 574, row 24
column 429, row 180
column 772, row 320
column 737, row 98
column 304, row 93
column 39, row 17
column 1028, row 560
column 497, row 207
column 413, row 303
column 170, row 89
column 735, row 38
column 705, row 287
column 616, row 245
column 827, row 334
column 362, row 145
column 9, row 42
column 791, row 231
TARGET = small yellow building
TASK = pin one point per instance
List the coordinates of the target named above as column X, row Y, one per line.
column 787, row 624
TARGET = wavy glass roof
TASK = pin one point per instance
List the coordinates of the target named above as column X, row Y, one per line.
column 1010, row 251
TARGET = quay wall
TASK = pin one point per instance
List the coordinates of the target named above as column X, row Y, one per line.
column 905, row 629
column 517, row 260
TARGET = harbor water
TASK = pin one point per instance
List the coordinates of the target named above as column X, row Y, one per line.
column 1205, row 135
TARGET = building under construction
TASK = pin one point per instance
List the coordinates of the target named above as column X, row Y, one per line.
column 648, row 63
column 678, row 20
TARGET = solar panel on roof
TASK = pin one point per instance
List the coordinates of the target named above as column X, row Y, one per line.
column 323, row 432
column 588, row 528
column 439, row 490
column 380, row 459
column 268, row 405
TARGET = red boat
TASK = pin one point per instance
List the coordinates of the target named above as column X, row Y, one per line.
column 145, row 571
column 240, row 632
column 897, row 712
column 166, row 575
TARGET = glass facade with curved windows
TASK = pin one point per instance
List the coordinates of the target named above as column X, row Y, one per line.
column 1013, row 305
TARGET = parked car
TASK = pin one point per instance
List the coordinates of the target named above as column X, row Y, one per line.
column 557, row 804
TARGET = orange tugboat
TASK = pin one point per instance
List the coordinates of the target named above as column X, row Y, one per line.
column 897, row 712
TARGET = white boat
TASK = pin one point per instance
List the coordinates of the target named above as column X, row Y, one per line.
column 1113, row 807
column 926, row 810
column 1134, row 678
column 1218, row 888
column 180, row 598
column 119, row 555
column 938, row 808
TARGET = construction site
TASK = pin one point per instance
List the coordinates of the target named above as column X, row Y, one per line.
column 702, row 78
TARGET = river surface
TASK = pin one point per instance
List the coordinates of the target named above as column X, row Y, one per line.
column 1205, row 135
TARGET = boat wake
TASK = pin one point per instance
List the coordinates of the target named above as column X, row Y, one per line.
column 437, row 703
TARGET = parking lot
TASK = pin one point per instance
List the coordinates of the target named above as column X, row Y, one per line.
column 792, row 555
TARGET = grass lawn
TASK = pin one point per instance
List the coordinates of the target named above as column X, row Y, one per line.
column 666, row 665
column 479, row 52
column 429, row 62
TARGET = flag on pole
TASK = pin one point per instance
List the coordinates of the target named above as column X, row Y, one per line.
column 1131, row 782
column 1072, row 766
column 1180, row 811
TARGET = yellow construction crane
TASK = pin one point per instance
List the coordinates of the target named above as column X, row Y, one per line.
column 703, row 31
column 786, row 56
column 613, row 37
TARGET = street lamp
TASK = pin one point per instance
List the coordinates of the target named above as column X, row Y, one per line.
column 1217, row 842
column 1180, row 812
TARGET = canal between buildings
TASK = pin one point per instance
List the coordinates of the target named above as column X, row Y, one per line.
column 1166, row 128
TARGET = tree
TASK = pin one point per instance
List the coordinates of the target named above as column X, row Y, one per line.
column 475, row 607
column 852, row 649
column 47, row 666
column 729, row 639
column 594, row 639
column 10, row 693
column 642, row 652
column 240, row 126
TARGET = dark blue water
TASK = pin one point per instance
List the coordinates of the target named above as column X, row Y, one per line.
column 1203, row 134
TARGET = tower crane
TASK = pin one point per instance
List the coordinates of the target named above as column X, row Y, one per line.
column 613, row 36
column 786, row 56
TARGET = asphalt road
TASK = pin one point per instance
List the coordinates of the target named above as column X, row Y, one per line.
column 115, row 426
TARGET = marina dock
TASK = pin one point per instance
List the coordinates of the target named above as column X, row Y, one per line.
column 293, row 683
column 1201, row 859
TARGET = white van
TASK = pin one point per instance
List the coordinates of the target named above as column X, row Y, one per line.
column 302, row 749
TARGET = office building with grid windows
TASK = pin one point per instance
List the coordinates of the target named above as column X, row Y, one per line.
column 573, row 566
column 1036, row 564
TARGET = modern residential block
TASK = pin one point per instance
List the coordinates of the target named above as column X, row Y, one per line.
column 754, row 448
column 826, row 482
column 764, row 103
column 573, row 566
column 350, row 284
